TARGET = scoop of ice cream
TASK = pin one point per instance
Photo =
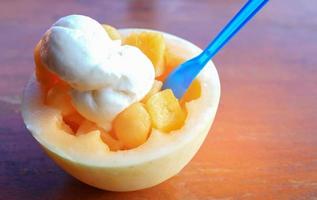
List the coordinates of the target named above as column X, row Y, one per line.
column 106, row 77
column 75, row 48
column 131, row 78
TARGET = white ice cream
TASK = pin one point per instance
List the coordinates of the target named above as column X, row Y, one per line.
column 106, row 77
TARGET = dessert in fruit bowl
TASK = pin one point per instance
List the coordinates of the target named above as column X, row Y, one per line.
column 96, row 106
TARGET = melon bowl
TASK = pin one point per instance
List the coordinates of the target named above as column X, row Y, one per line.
column 88, row 159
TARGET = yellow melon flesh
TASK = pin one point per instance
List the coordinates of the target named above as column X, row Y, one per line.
column 73, row 120
column 165, row 111
column 152, row 44
column 113, row 144
column 193, row 92
column 85, row 127
column 112, row 32
column 132, row 126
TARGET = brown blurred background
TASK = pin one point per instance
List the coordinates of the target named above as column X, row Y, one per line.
column 263, row 143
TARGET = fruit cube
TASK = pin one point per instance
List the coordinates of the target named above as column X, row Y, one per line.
column 152, row 44
column 112, row 32
column 165, row 111
column 133, row 125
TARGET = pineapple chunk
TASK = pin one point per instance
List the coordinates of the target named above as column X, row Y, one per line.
column 165, row 111
column 43, row 75
column 152, row 44
column 112, row 32
column 157, row 85
column 132, row 126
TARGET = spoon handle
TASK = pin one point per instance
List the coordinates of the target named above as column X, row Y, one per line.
column 180, row 79
column 237, row 22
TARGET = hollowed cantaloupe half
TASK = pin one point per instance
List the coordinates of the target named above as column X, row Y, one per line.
column 88, row 158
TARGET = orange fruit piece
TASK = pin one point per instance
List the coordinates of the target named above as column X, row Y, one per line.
column 43, row 75
column 157, row 85
column 193, row 92
column 152, row 44
column 165, row 111
column 132, row 126
column 112, row 32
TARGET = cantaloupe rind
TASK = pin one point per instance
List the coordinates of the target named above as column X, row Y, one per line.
column 88, row 159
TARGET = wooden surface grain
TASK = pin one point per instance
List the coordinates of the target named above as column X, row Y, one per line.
column 263, row 144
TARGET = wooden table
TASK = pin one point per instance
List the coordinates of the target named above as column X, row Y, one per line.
column 263, row 144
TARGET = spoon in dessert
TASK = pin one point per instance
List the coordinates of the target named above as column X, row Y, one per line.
column 180, row 79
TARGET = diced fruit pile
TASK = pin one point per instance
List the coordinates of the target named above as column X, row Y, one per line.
column 158, row 109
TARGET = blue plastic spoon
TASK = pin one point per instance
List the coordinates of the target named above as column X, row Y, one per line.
column 180, row 79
